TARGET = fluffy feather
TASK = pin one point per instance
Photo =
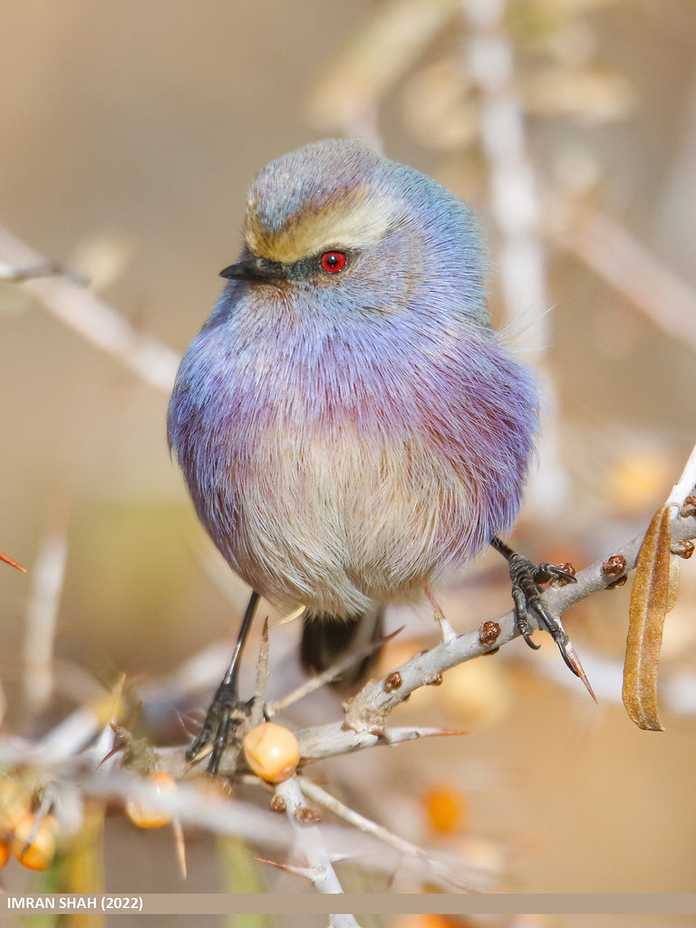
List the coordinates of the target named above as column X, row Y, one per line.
column 345, row 439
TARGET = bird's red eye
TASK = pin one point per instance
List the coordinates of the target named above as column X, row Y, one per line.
column 333, row 261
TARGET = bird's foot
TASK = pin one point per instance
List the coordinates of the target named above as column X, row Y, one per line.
column 526, row 580
column 223, row 720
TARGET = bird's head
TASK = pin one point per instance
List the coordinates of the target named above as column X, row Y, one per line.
column 335, row 227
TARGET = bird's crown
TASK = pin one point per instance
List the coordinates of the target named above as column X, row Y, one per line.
column 325, row 195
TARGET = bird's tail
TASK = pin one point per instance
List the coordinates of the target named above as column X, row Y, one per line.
column 326, row 639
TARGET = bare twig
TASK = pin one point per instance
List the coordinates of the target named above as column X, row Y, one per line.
column 315, row 683
column 257, row 708
column 489, row 61
column 91, row 317
column 309, row 839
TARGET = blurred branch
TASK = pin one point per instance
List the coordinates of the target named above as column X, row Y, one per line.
column 47, row 575
column 489, row 61
column 609, row 249
column 92, row 318
column 347, row 96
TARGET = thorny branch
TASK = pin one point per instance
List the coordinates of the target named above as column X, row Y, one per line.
column 366, row 714
column 309, row 837
column 371, row 706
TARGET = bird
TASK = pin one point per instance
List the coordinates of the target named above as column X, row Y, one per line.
column 348, row 422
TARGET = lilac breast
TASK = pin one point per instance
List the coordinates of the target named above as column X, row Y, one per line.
column 261, row 396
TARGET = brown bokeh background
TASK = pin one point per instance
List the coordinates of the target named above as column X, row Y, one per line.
column 129, row 133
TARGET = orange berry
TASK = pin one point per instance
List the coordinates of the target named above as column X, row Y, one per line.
column 446, row 810
column 40, row 852
column 145, row 817
column 4, row 852
column 272, row 752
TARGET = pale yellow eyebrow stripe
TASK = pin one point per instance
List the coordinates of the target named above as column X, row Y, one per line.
column 349, row 223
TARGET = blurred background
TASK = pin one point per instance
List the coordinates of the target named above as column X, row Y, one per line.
column 129, row 135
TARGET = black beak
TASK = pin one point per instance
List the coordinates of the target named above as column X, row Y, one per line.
column 253, row 269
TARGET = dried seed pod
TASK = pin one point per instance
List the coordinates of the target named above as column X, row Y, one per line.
column 272, row 752
column 142, row 815
column 673, row 585
column 35, row 851
column 647, row 611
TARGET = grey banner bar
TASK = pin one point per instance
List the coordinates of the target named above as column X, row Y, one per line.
column 372, row 904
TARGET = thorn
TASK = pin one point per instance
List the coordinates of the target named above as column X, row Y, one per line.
column 114, row 750
column 446, row 630
column 180, row 846
column 8, row 560
column 184, row 721
column 439, row 732
column 572, row 660
column 307, row 873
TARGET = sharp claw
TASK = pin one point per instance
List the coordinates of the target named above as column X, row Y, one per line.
column 530, row 641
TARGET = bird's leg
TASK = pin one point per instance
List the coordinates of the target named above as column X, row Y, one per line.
column 226, row 711
column 526, row 595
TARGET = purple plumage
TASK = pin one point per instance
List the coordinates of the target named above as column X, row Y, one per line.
column 346, row 436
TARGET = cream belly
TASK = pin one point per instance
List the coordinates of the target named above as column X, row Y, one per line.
column 339, row 522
